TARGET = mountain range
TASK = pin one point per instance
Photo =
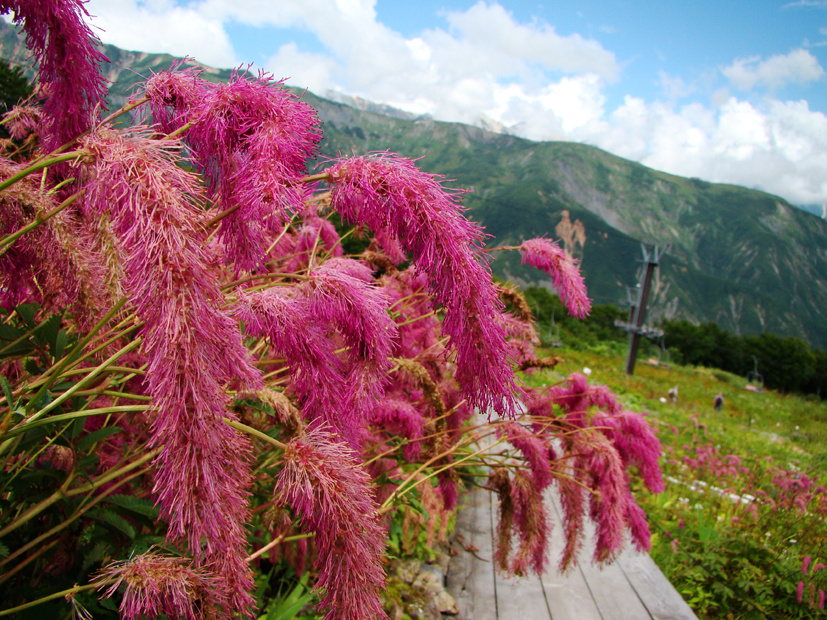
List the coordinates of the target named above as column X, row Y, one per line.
column 744, row 259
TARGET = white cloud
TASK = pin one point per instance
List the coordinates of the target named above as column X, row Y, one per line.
column 674, row 87
column 160, row 26
column 799, row 67
column 524, row 75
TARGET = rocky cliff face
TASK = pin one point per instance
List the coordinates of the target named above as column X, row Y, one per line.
column 742, row 258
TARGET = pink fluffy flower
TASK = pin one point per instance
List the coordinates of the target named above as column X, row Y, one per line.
column 155, row 584
column 534, row 450
column 251, row 140
column 341, row 293
column 389, row 193
column 68, row 59
column 550, row 258
column 194, row 351
column 636, row 443
column 799, row 591
column 399, row 416
column 294, row 332
column 323, row 482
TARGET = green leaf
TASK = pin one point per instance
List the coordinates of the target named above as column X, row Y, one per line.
column 142, row 544
column 46, row 332
column 4, row 550
column 7, row 392
column 7, row 332
column 95, row 555
column 115, row 520
column 135, row 504
column 44, row 399
column 287, row 608
column 60, row 344
column 27, row 312
column 32, row 368
column 95, row 436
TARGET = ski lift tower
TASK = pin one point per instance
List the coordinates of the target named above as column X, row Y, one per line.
column 637, row 316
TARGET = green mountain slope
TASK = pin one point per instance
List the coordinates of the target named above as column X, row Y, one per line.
column 744, row 259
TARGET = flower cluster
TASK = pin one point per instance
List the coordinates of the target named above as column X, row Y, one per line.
column 284, row 388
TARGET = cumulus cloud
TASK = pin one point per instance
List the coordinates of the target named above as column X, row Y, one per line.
column 159, row 26
column 797, row 67
column 537, row 83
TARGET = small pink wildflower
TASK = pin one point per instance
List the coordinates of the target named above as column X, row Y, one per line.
column 799, row 592
column 805, row 564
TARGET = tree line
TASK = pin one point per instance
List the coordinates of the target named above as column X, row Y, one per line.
column 787, row 364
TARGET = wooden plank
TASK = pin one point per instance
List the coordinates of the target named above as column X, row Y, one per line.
column 518, row 598
column 568, row 596
column 659, row 596
column 470, row 579
column 614, row 595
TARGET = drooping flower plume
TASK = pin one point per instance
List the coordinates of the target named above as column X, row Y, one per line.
column 251, row 140
column 389, row 193
column 155, row 584
column 194, row 350
column 341, row 293
column 550, row 258
column 326, row 486
column 68, row 59
column 293, row 332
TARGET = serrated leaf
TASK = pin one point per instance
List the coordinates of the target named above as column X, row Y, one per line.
column 32, row 368
column 46, row 332
column 95, row 555
column 142, row 544
column 135, row 504
column 60, row 344
column 4, row 383
column 115, row 520
column 95, row 436
column 44, row 399
column 27, row 312
column 7, row 332
column 4, row 551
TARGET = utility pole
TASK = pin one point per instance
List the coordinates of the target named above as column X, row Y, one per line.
column 638, row 314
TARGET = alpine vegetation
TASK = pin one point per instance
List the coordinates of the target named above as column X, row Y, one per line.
column 215, row 361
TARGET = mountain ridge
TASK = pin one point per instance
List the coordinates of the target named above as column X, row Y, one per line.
column 739, row 257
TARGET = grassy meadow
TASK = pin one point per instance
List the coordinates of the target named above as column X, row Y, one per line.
column 743, row 507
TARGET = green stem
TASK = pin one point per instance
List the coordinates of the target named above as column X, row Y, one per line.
column 62, row 593
column 115, row 356
column 63, row 493
column 67, row 359
column 39, row 165
column 5, row 242
column 322, row 176
column 74, row 415
column 251, row 431
column 62, row 525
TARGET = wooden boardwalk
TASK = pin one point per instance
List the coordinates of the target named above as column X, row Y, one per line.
column 633, row 588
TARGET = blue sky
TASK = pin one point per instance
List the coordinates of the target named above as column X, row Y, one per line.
column 726, row 91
